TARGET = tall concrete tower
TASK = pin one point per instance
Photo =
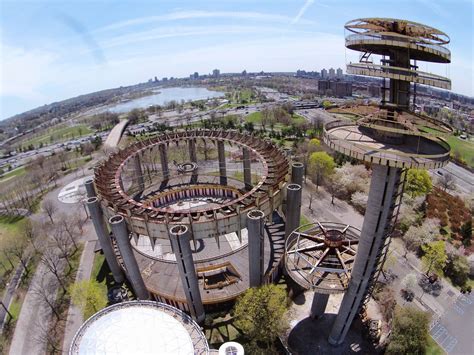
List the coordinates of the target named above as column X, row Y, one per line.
column 388, row 139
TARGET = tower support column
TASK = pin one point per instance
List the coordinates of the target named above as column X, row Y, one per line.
column 222, row 164
column 375, row 230
column 293, row 208
column 104, row 238
column 297, row 173
column 164, row 162
column 120, row 232
column 247, row 169
column 192, row 150
column 256, row 245
column 90, row 189
column 180, row 238
column 320, row 301
column 139, row 173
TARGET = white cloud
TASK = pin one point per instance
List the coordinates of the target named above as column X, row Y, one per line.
column 303, row 9
column 188, row 15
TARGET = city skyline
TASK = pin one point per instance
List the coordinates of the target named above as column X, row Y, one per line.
column 76, row 48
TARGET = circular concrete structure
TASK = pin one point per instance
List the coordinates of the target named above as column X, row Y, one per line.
column 213, row 195
column 204, row 182
column 319, row 256
column 139, row 327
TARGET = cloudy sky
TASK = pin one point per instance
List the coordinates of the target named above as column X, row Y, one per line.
column 53, row 50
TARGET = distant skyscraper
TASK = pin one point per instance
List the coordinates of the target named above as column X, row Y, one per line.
column 324, row 73
column 339, row 73
column 196, row 75
column 216, row 73
column 332, row 73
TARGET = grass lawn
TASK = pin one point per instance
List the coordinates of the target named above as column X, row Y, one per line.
column 58, row 134
column 254, row 117
column 463, row 147
column 10, row 230
column 11, row 174
column 433, row 348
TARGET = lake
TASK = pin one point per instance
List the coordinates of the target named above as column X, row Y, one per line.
column 164, row 96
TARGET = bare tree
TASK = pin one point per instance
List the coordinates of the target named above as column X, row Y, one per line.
column 68, row 226
column 446, row 182
column 79, row 221
column 49, row 207
column 20, row 251
column 30, row 233
column 64, row 246
column 45, row 291
column 55, row 265
column 312, row 196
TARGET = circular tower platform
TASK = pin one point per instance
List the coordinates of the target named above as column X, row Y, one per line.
column 319, row 256
column 139, row 327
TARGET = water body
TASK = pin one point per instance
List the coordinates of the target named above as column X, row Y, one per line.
column 164, row 96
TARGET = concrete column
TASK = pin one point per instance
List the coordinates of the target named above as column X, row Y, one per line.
column 164, row 162
column 222, row 165
column 192, row 150
column 297, row 173
column 293, row 208
column 375, row 230
column 256, row 245
column 104, row 238
column 139, row 173
column 90, row 189
column 180, row 238
column 247, row 168
column 320, row 301
column 119, row 229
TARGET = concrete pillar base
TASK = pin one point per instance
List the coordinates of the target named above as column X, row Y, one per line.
column 320, row 301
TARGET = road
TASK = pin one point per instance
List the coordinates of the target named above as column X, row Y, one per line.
column 463, row 178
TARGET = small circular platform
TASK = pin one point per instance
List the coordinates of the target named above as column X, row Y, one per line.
column 319, row 256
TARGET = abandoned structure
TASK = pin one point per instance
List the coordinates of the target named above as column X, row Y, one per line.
column 196, row 217
column 388, row 140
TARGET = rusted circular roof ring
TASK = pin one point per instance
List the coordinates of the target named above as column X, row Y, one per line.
column 248, row 194
column 407, row 28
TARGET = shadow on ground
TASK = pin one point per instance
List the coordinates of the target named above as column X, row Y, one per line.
column 310, row 337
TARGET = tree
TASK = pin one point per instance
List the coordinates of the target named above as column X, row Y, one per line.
column 409, row 332
column 333, row 185
column 49, row 207
column 446, row 182
column 458, row 268
column 89, row 296
column 45, row 291
column 418, row 182
column 260, row 314
column 321, row 166
column 386, row 299
column 466, row 233
column 54, row 264
column 434, row 258
column 416, row 236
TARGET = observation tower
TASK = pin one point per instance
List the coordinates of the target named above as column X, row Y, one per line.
column 388, row 140
column 319, row 257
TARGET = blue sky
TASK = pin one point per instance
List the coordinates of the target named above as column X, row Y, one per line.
column 53, row 50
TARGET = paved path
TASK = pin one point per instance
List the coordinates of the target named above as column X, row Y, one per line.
column 115, row 134
column 25, row 338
